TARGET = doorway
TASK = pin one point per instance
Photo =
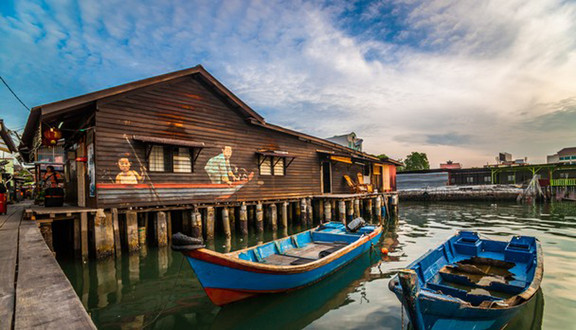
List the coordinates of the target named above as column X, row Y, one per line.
column 326, row 177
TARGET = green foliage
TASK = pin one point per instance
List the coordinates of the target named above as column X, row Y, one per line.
column 382, row 156
column 416, row 161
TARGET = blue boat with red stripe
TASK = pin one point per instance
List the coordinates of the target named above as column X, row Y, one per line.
column 279, row 266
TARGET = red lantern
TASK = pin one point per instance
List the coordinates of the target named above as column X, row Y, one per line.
column 51, row 137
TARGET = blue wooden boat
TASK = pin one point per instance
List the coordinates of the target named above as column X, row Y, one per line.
column 470, row 282
column 281, row 265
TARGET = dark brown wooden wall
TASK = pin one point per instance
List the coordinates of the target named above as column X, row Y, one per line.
column 187, row 109
column 339, row 169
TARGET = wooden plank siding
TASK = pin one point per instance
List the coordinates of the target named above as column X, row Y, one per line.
column 189, row 110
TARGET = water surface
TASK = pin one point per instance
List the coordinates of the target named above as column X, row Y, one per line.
column 131, row 291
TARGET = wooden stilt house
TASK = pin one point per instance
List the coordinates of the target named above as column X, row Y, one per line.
column 183, row 138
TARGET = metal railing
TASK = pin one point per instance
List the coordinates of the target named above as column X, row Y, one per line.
column 562, row 182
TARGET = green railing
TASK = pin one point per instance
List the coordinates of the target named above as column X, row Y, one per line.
column 562, row 182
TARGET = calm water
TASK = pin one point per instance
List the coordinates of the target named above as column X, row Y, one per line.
column 130, row 292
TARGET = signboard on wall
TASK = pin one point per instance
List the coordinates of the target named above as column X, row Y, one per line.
column 91, row 170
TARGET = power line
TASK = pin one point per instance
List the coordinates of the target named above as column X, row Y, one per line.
column 13, row 93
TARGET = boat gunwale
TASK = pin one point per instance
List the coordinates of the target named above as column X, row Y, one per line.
column 232, row 261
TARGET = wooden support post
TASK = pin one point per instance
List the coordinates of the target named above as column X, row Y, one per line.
column 309, row 212
column 232, row 215
column 226, row 222
column 196, row 218
column 103, row 234
column 251, row 216
column 327, row 211
column 342, row 211
column 77, row 238
column 378, row 208
column 142, row 230
column 116, row 226
column 290, row 212
column 297, row 212
column 132, row 240
column 160, row 229
column 84, row 235
column 369, row 209
column 210, row 215
column 169, row 225
column 285, row 215
column 356, row 208
column 259, row 218
column 350, row 211
column 243, row 220
column 303, row 211
column 273, row 217
column 320, row 206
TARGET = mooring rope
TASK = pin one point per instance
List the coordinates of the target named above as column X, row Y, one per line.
column 169, row 298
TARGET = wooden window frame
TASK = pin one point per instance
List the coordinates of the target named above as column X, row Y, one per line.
column 168, row 153
column 274, row 160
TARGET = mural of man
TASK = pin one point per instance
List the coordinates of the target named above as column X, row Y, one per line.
column 126, row 175
column 218, row 167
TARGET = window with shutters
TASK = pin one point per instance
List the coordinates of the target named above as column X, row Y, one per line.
column 181, row 160
column 278, row 166
column 266, row 166
column 156, row 159
column 270, row 165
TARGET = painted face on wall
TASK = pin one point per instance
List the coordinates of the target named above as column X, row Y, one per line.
column 124, row 164
column 227, row 151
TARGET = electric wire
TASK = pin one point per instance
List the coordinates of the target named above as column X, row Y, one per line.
column 14, row 93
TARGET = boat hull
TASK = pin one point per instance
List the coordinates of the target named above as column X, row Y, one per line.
column 432, row 288
column 226, row 280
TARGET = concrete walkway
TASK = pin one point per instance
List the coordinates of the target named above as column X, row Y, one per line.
column 34, row 292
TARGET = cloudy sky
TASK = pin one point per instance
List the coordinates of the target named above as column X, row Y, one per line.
column 459, row 80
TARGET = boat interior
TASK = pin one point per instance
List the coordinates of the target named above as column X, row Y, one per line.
column 305, row 247
column 477, row 270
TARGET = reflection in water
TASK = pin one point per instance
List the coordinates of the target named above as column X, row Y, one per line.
column 131, row 291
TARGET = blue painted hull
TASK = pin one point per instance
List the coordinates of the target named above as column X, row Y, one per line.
column 470, row 283
column 227, row 278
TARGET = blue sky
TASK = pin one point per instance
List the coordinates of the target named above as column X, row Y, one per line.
column 459, row 80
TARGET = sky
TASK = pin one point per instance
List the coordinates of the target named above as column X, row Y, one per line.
column 458, row 80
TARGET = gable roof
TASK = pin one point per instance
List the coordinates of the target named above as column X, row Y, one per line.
column 74, row 103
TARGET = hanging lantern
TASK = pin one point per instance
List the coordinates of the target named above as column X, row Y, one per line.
column 51, row 137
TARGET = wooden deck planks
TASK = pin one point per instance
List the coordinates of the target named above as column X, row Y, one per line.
column 8, row 254
column 44, row 296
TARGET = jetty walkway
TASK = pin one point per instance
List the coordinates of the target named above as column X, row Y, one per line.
column 34, row 292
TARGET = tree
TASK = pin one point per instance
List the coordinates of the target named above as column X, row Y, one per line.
column 416, row 161
column 382, row 156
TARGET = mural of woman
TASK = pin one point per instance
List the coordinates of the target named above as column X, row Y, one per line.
column 126, row 175
column 218, row 167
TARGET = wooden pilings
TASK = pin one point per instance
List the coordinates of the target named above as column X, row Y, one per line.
column 243, row 220
column 160, row 229
column 259, row 218
column 342, row 211
column 196, row 218
column 103, row 235
column 210, row 216
column 273, row 217
column 327, row 212
column 115, row 231
column 226, row 222
column 284, row 223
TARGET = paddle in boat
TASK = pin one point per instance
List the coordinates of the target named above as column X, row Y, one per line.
column 282, row 265
column 470, row 282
